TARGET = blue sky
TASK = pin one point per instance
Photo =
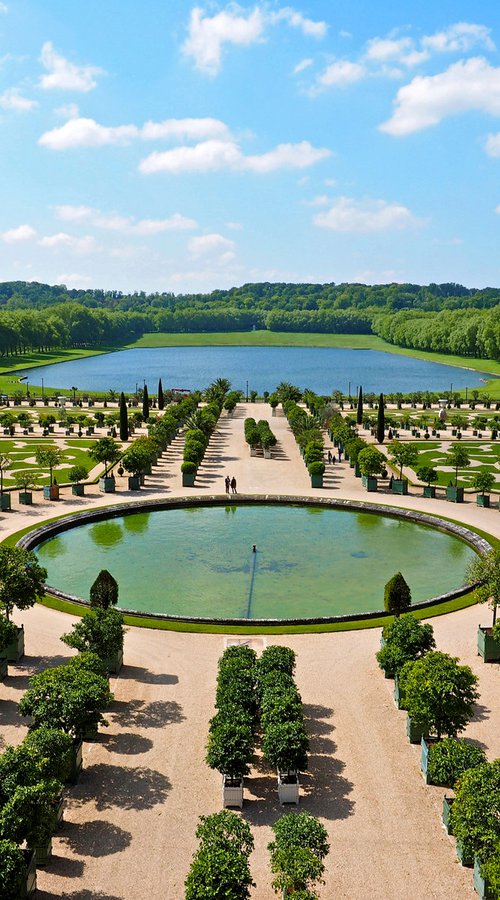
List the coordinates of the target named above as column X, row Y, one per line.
column 181, row 147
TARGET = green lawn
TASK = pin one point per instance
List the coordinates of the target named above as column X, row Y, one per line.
column 22, row 453
column 13, row 366
column 485, row 457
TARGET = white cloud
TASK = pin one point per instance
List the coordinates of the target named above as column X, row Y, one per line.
column 338, row 74
column 65, row 75
column 21, row 233
column 459, row 38
column 62, row 239
column 492, row 145
column 68, row 111
column 350, row 215
column 83, row 132
column 303, row 64
column 114, row 222
column 207, row 35
column 297, row 20
column 234, row 226
column 465, row 86
column 400, row 50
column 215, row 246
column 13, row 99
column 210, row 156
column 319, row 200
column 74, row 280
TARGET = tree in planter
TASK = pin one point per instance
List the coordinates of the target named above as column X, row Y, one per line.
column 44, row 755
column 123, row 418
column 26, row 480
column 230, row 749
column 99, row 631
column 402, row 455
column 380, row 420
column 483, row 482
column 405, row 639
column 300, row 843
column 54, row 748
column 220, row 865
column 427, row 475
column 450, row 758
column 105, row 451
column 104, row 590
column 459, row 458
column 12, row 870
column 300, row 830
column 5, row 463
column 22, row 579
column 474, row 814
column 371, row 461
column 397, row 595
column 285, row 746
column 490, row 871
column 71, row 698
column 77, row 474
column 440, row 694
column 29, row 814
column 486, row 571
column 49, row 458
column 136, row 459
column 276, row 658
column 359, row 411
column 8, row 633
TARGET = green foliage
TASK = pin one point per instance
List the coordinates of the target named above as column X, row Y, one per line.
column 402, row 455
column 12, row 870
column 450, row 758
column 316, row 467
column 427, row 474
column 459, row 458
column 483, row 482
column 99, row 631
column 295, row 869
column 104, row 590
column 474, row 814
column 136, row 459
column 276, row 658
column 55, row 748
column 371, row 461
column 220, row 865
column 189, row 468
column 29, row 814
column 105, row 451
column 353, row 448
column 8, row 632
column 230, row 748
column 48, row 458
column 124, row 432
column 300, row 830
column 405, row 638
column 77, row 473
column 380, row 420
column 226, row 826
column 397, row 595
column 22, row 579
column 285, row 746
column 490, row 870
column 439, row 693
column 26, row 480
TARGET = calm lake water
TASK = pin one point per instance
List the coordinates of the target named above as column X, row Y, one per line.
column 310, row 561
column 321, row 369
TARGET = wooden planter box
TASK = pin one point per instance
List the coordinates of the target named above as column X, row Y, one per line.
column 77, row 762
column 370, row 482
column 107, row 484
column 425, row 745
column 455, row 494
column 487, row 646
column 414, row 732
column 399, row 486
column 480, row 885
column 467, row 861
column 114, row 663
column 43, row 852
column 429, row 491
column 15, row 650
column 58, row 812
column 4, row 502
column 445, row 815
column 78, row 490
column 483, row 500
column 51, row 492
column 316, row 481
column 398, row 695
column 4, row 668
column 232, row 792
column 28, row 888
column 134, row 483
column 188, row 479
column 288, row 789
column 25, row 498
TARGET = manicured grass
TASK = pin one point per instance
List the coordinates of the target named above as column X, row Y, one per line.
column 485, row 453
column 12, row 367
column 74, row 454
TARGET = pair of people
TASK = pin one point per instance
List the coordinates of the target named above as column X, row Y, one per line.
column 230, row 484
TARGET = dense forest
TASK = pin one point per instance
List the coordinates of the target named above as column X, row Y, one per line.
column 445, row 318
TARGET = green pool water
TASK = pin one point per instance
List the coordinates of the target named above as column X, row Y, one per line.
column 309, row 561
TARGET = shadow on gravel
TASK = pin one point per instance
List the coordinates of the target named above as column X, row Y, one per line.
column 9, row 715
column 96, row 838
column 64, row 867
column 77, row 895
column 128, row 788
column 137, row 673
column 141, row 714
column 126, row 743
column 481, row 713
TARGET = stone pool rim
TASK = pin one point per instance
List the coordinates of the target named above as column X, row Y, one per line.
column 54, row 527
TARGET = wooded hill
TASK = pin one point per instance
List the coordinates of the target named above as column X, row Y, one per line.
column 445, row 318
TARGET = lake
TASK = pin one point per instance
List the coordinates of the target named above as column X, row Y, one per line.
column 321, row 369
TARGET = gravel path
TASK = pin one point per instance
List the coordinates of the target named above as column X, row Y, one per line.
column 130, row 822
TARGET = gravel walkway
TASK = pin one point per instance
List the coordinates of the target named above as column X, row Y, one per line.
column 129, row 824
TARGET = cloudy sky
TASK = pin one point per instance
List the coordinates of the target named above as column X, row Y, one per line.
column 174, row 147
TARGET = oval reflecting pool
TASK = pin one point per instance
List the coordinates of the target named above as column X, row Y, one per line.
column 309, row 561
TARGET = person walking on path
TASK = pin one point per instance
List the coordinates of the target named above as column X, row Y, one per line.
column 233, row 484
column 329, row 456
column 227, row 482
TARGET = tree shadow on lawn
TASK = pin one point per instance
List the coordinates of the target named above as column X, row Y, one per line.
column 141, row 714
column 96, row 838
column 137, row 787
column 137, row 673
column 126, row 743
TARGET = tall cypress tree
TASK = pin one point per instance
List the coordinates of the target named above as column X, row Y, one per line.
column 359, row 414
column 123, row 418
column 161, row 399
column 145, row 404
column 381, row 420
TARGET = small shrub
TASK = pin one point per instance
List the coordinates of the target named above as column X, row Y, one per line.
column 189, row 468
column 406, row 638
column 317, row 467
column 450, row 758
column 397, row 595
